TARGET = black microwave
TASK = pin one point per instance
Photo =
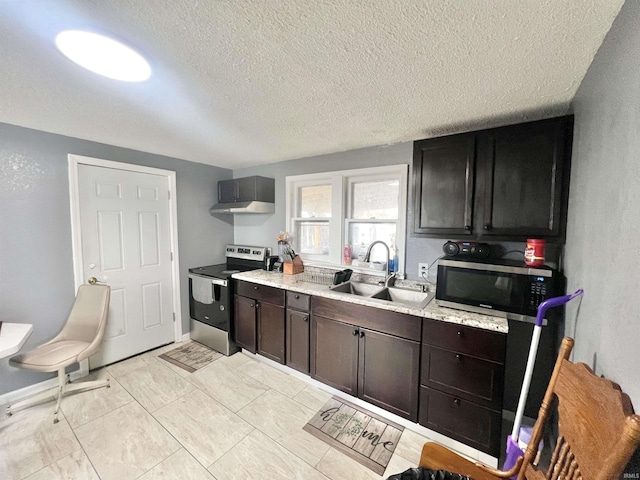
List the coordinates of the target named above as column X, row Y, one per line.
column 502, row 288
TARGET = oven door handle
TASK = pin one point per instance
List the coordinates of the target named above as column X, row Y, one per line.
column 214, row 281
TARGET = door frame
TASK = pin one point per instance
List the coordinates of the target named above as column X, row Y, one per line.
column 76, row 235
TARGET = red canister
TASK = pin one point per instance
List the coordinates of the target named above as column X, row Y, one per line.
column 534, row 253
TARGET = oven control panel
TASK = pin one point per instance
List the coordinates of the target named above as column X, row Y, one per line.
column 247, row 252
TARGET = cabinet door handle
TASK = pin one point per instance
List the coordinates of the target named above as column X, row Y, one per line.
column 460, row 333
column 467, row 227
column 255, row 288
column 297, row 297
column 355, row 332
column 458, row 357
column 252, row 305
column 487, row 226
column 257, row 305
column 456, row 401
column 361, row 334
column 306, row 319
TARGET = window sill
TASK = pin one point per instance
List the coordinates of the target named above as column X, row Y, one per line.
column 356, row 268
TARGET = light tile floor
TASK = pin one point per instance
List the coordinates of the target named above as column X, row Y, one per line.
column 235, row 419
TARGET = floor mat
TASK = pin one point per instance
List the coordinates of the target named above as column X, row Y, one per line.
column 364, row 436
column 191, row 356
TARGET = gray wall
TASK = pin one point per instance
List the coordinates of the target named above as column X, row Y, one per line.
column 604, row 207
column 36, row 265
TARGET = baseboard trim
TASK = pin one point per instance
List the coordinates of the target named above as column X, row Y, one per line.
column 186, row 337
column 30, row 390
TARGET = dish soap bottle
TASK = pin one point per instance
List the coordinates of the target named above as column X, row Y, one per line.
column 362, row 252
column 393, row 259
column 346, row 255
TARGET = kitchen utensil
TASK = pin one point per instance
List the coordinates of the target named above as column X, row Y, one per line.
column 513, row 450
column 288, row 254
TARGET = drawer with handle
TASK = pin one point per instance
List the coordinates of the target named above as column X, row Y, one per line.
column 262, row 293
column 298, row 301
column 462, row 339
column 459, row 374
column 460, row 419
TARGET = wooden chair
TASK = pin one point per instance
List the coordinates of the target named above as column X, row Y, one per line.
column 598, row 432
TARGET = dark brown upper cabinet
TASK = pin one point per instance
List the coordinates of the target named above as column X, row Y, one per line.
column 444, row 176
column 508, row 183
column 246, row 189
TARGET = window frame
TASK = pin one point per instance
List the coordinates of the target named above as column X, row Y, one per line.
column 341, row 209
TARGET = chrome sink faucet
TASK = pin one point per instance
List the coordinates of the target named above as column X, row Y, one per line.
column 390, row 278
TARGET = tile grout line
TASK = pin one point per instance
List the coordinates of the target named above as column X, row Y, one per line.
column 235, row 370
column 276, row 440
column 73, row 431
column 165, row 429
column 134, row 399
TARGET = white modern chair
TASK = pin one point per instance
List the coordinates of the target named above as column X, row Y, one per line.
column 80, row 338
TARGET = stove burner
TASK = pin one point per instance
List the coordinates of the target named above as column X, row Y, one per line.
column 230, row 271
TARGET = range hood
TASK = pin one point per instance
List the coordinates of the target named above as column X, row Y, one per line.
column 243, row 207
column 245, row 195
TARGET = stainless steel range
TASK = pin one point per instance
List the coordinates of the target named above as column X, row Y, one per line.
column 211, row 292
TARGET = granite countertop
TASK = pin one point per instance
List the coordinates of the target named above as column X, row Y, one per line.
column 295, row 284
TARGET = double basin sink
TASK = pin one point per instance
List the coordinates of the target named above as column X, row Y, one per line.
column 403, row 296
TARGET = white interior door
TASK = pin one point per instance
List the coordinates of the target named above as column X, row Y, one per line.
column 126, row 243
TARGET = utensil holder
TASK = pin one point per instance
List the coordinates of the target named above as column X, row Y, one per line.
column 293, row 268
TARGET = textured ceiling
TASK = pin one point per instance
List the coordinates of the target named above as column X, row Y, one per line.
column 247, row 82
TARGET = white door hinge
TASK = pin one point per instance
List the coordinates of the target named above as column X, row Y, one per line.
column 174, row 316
column 171, row 254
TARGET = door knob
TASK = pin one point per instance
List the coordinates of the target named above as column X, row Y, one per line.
column 94, row 280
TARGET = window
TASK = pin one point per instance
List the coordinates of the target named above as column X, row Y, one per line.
column 327, row 211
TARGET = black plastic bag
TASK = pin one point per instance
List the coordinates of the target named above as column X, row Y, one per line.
column 422, row 473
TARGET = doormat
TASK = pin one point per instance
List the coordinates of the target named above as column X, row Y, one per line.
column 364, row 436
column 191, row 356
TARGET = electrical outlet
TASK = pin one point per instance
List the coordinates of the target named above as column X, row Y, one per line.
column 423, row 269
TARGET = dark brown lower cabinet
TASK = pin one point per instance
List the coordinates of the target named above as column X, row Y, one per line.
column 335, row 354
column 462, row 383
column 475, row 379
column 259, row 320
column 460, row 419
column 270, row 322
column 298, row 340
column 379, row 368
column 245, row 323
column 388, row 372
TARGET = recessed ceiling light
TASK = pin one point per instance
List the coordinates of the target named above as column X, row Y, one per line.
column 103, row 55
